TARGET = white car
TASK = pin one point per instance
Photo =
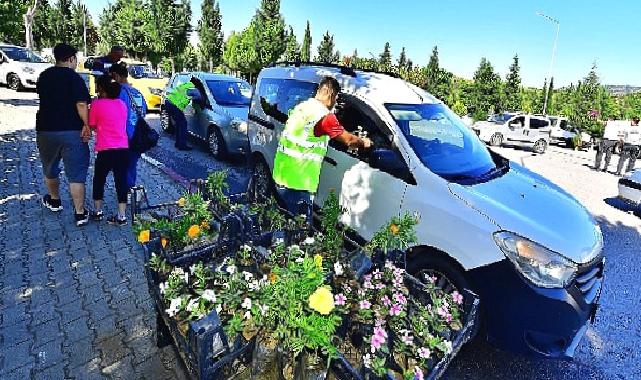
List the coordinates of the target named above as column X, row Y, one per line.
column 562, row 132
column 515, row 129
column 630, row 187
column 20, row 67
column 486, row 223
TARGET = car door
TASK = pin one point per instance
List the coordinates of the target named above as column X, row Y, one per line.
column 516, row 127
column 369, row 196
column 200, row 118
column 4, row 67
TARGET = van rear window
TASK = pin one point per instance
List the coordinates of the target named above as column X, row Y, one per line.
column 279, row 96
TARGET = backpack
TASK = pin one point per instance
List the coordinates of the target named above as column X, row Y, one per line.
column 144, row 137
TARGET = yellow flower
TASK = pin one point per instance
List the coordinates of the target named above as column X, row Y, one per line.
column 143, row 236
column 322, row 300
column 318, row 260
column 181, row 202
column 273, row 277
column 193, row 231
column 164, row 241
column 393, row 229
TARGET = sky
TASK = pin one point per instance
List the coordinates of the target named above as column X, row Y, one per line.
column 605, row 32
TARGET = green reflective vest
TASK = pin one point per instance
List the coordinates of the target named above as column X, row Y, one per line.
column 300, row 154
column 178, row 95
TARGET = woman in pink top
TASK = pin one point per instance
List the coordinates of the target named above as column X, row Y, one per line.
column 108, row 117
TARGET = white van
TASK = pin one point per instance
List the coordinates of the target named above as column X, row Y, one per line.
column 529, row 249
column 20, row 67
column 515, row 129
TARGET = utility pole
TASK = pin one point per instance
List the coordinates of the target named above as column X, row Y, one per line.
column 547, row 87
column 84, row 28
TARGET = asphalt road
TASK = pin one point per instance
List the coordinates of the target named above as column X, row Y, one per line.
column 611, row 348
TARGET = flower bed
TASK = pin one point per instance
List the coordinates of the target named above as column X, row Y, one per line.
column 295, row 306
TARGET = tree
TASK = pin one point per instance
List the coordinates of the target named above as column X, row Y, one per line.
column 432, row 71
column 512, row 89
column 240, row 53
column 292, row 48
column 11, row 20
column 210, row 33
column 270, row 30
column 80, row 18
column 28, row 23
column 306, row 49
column 402, row 62
column 129, row 23
column 43, row 26
column 550, row 92
column 171, row 25
column 385, row 59
column 326, row 52
column 63, row 21
column 486, row 92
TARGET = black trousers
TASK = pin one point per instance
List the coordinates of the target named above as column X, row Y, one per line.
column 115, row 161
column 607, row 147
column 630, row 153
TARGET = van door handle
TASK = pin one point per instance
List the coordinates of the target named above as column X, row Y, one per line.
column 262, row 122
column 330, row 161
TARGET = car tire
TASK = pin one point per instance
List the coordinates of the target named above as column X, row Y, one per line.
column 216, row 143
column 427, row 263
column 262, row 185
column 14, row 83
column 165, row 122
column 496, row 139
column 540, row 146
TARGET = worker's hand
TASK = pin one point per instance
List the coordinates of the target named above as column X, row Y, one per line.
column 367, row 143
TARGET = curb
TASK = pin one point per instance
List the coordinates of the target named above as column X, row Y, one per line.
column 182, row 181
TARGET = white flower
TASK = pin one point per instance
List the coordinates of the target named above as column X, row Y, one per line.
column 174, row 306
column 367, row 360
column 192, row 305
column 163, row 287
column 248, row 276
column 153, row 254
column 231, row 269
column 219, row 308
column 338, row 268
column 448, row 346
column 247, row 303
column 294, row 248
column 263, row 308
column 247, row 315
column 254, row 285
column 299, row 260
column 186, row 277
column 209, row 295
column 192, row 269
column 309, row 240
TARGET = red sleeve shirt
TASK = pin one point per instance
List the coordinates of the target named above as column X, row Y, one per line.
column 328, row 126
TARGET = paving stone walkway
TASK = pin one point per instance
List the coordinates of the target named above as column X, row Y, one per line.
column 74, row 301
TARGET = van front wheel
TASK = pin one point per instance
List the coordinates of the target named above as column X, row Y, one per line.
column 496, row 139
column 432, row 267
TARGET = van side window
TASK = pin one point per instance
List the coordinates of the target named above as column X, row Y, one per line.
column 538, row 123
column 279, row 96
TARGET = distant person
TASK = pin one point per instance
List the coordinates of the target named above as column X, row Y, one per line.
column 606, row 147
column 133, row 99
column 630, row 152
column 108, row 117
column 62, row 131
column 102, row 64
column 176, row 102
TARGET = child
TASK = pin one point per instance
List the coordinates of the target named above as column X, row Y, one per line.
column 108, row 117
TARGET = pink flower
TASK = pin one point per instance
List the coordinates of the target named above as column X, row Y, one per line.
column 396, row 309
column 431, row 279
column 400, row 298
column 340, row 299
column 378, row 275
column 367, row 278
column 418, row 374
column 424, row 353
column 386, row 301
column 365, row 304
column 380, row 286
column 378, row 339
column 368, row 285
column 457, row 297
column 442, row 311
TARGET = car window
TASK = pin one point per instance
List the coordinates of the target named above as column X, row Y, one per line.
column 230, row 93
column 180, row 79
column 279, row 96
column 538, row 123
column 353, row 116
column 21, row 54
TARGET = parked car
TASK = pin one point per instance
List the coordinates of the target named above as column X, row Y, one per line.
column 630, row 188
column 562, row 132
column 141, row 77
column 515, row 129
column 218, row 112
column 486, row 223
column 20, row 67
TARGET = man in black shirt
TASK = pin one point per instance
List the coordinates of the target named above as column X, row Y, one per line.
column 62, row 131
column 102, row 64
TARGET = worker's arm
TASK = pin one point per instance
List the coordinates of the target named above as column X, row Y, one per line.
column 353, row 141
column 83, row 112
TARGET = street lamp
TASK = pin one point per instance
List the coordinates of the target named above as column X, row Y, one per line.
column 547, row 88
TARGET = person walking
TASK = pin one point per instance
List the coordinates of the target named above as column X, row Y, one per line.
column 108, row 117
column 136, row 106
column 62, row 132
column 101, row 65
column 303, row 146
column 175, row 103
column 630, row 150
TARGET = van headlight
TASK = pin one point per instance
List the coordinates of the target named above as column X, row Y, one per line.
column 538, row 264
column 28, row 70
column 155, row 91
column 240, row 125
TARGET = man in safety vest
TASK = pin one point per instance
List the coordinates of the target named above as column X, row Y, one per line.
column 303, row 146
column 175, row 103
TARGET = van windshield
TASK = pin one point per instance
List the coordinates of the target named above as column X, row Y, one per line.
column 443, row 143
column 230, row 93
column 21, row 54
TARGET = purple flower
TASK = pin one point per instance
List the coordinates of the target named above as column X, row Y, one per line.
column 400, row 298
column 368, row 285
column 457, row 297
column 380, row 286
column 378, row 339
column 386, row 301
column 365, row 304
column 367, row 278
column 378, row 275
column 340, row 299
column 396, row 309
column 431, row 279
column 424, row 353
column 418, row 374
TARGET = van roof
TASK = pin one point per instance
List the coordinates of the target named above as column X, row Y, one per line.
column 377, row 87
